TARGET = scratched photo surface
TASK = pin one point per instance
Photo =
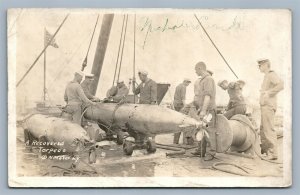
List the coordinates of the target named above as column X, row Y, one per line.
column 99, row 134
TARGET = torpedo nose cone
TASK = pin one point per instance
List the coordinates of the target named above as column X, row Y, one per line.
column 190, row 124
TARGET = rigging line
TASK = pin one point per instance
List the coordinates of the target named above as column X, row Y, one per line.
column 133, row 78
column 119, row 51
column 122, row 48
column 92, row 36
column 84, row 64
column 215, row 46
column 67, row 63
column 23, row 77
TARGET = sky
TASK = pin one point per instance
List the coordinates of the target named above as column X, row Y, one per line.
column 168, row 45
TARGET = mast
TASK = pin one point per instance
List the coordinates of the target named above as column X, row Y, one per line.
column 101, row 50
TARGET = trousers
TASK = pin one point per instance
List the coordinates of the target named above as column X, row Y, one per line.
column 177, row 135
column 267, row 131
column 75, row 111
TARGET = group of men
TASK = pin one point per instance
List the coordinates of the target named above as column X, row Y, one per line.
column 78, row 96
column 205, row 103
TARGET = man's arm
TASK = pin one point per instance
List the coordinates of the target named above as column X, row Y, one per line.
column 83, row 96
column 278, row 85
column 137, row 90
column 153, row 92
column 208, row 93
column 121, row 94
column 66, row 97
column 183, row 94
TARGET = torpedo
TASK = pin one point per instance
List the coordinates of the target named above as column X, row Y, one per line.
column 56, row 132
column 149, row 120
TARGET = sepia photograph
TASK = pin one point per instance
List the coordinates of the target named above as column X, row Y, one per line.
column 149, row 97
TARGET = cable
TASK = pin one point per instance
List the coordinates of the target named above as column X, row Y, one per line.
column 133, row 78
column 42, row 52
column 84, row 64
column 122, row 48
column 119, row 51
column 215, row 46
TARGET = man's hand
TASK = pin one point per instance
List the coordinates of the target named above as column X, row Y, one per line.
column 95, row 99
column 202, row 114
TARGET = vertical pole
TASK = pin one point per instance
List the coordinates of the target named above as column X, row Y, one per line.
column 101, row 49
column 45, row 65
column 134, row 57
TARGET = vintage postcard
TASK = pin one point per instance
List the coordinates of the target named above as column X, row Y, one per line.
column 149, row 98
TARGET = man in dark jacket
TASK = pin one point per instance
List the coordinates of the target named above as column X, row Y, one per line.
column 147, row 89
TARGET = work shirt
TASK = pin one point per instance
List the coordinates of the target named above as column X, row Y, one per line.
column 179, row 95
column 86, row 89
column 205, row 86
column 271, row 85
column 235, row 94
column 147, row 91
column 121, row 93
column 74, row 94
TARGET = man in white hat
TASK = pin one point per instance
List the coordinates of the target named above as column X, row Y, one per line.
column 237, row 104
column 86, row 85
column 147, row 89
column 270, row 87
column 75, row 97
column 179, row 103
column 122, row 91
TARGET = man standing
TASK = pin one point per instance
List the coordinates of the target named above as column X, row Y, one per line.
column 204, row 100
column 236, row 103
column 179, row 102
column 270, row 87
column 122, row 92
column 147, row 89
column 86, row 84
column 75, row 97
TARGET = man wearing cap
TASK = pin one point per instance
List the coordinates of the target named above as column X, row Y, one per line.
column 122, row 91
column 75, row 97
column 86, row 84
column 270, row 87
column 147, row 89
column 236, row 103
column 205, row 103
column 179, row 102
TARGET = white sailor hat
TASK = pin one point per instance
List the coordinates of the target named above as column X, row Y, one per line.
column 89, row 76
column 80, row 73
column 187, row 80
column 262, row 61
column 143, row 72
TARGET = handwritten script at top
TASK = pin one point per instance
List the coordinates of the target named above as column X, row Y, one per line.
column 148, row 27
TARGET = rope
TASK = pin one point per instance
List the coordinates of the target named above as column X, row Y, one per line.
column 215, row 46
column 216, row 166
column 119, row 50
column 87, row 53
column 133, row 78
column 123, row 48
column 42, row 52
